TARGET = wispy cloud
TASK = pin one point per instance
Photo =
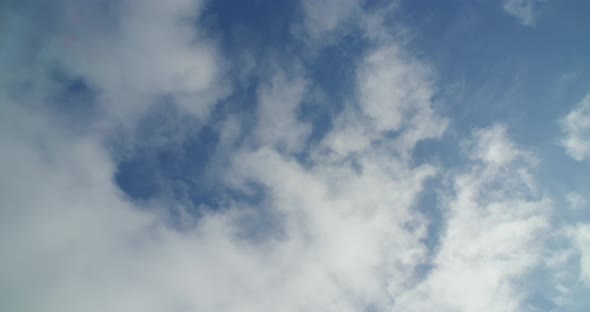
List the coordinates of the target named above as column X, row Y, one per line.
column 576, row 129
column 523, row 10
column 490, row 239
column 278, row 103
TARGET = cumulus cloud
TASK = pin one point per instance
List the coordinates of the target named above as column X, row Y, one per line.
column 490, row 241
column 576, row 129
column 390, row 92
column 492, row 146
column 394, row 93
column 130, row 53
column 347, row 234
column 337, row 229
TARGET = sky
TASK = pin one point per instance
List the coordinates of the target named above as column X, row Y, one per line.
column 283, row 155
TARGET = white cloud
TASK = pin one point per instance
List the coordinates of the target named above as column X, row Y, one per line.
column 348, row 234
column 78, row 245
column 64, row 221
column 278, row 106
column 71, row 241
column 350, row 212
column 325, row 18
column 349, row 229
column 523, row 10
column 576, row 128
column 491, row 235
column 134, row 53
column 394, row 93
column 492, row 146
column 389, row 91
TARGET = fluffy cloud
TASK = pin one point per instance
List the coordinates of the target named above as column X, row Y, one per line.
column 336, row 229
column 576, row 128
column 131, row 54
column 490, row 242
column 394, row 95
column 347, row 236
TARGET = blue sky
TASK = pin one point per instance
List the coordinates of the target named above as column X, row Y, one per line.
column 334, row 155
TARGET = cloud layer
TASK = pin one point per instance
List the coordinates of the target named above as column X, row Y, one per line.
column 288, row 217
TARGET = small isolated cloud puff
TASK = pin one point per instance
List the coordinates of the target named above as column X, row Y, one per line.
column 576, row 128
column 523, row 10
column 493, row 147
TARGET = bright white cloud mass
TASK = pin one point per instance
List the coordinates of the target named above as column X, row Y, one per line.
column 194, row 155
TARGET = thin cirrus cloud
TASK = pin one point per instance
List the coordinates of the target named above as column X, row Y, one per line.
column 576, row 130
column 288, row 217
column 525, row 11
